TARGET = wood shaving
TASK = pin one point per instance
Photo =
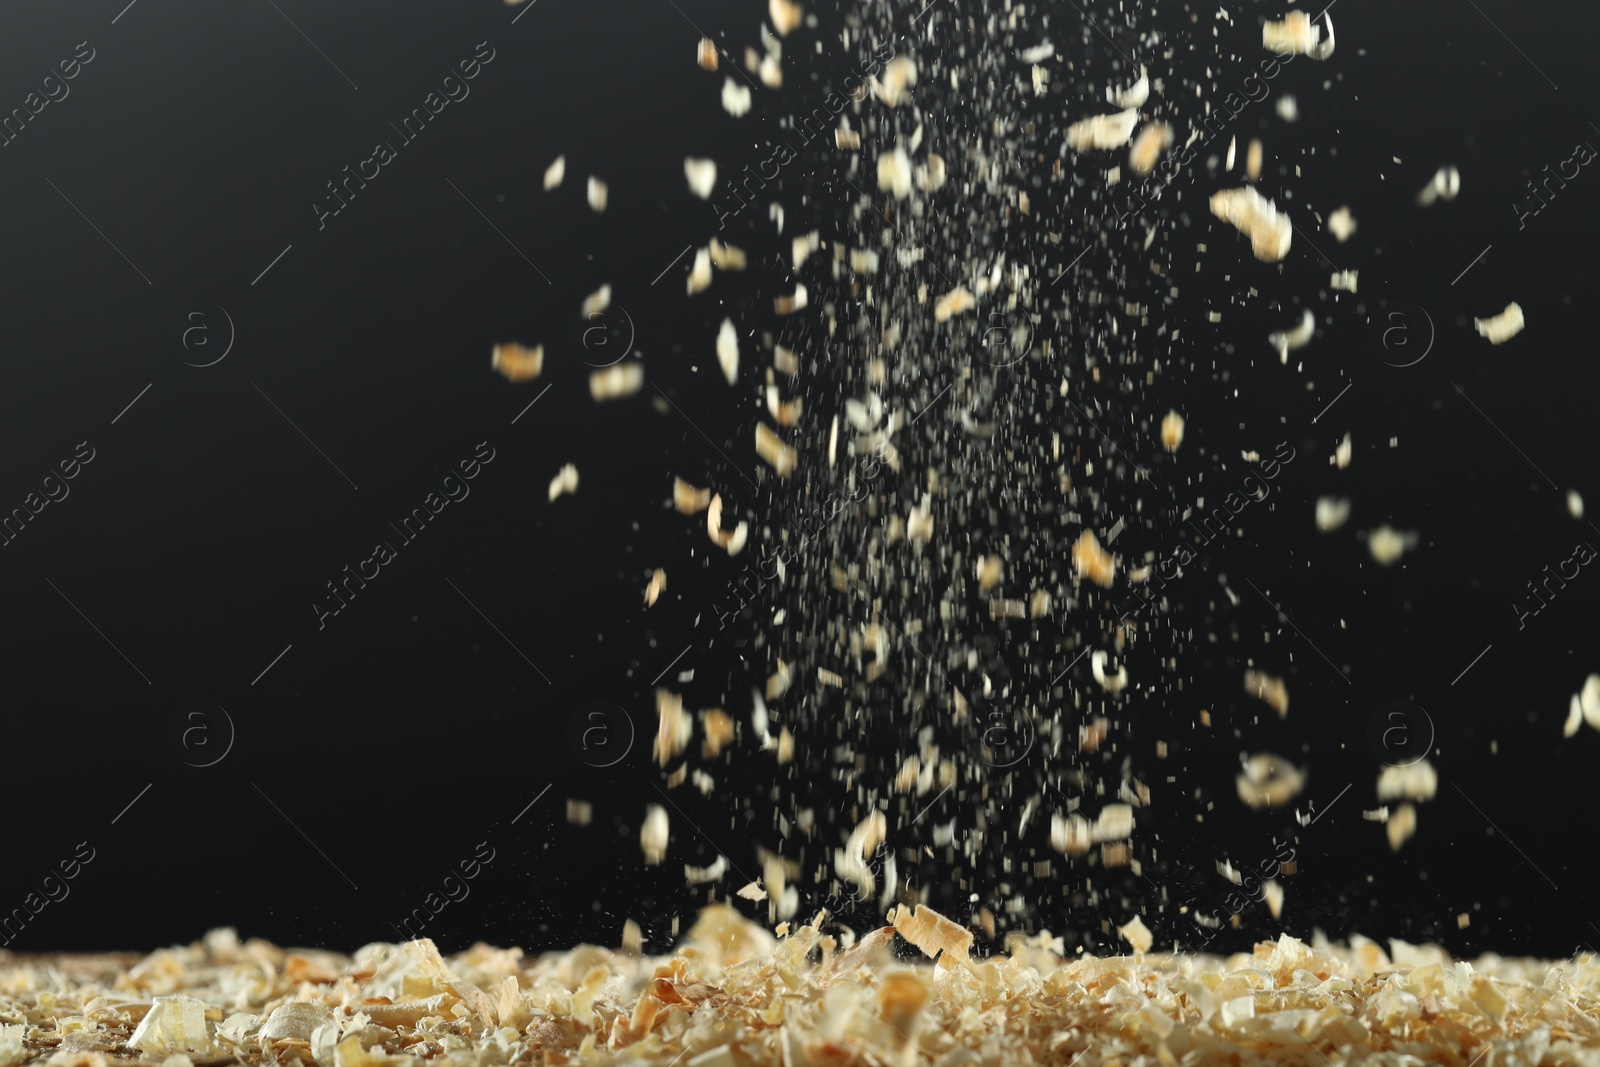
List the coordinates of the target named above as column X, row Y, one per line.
column 1256, row 217
column 785, row 15
column 1342, row 453
column 674, row 727
column 1286, row 341
column 1272, row 894
column 784, row 361
column 952, row 304
column 788, row 305
column 735, row 98
column 1341, row 224
column 1387, row 544
column 1071, row 835
column 898, row 76
column 1102, row 131
column 850, row 862
column 1298, row 35
column 598, row 195
column 1332, row 511
column 1091, row 561
column 1502, row 327
column 934, row 934
column 1136, row 94
column 726, row 257
column 731, row 540
column 1265, row 687
column 1269, row 781
column 624, row 379
column 1137, row 934
column 1172, row 431
column 770, row 73
column 800, row 248
column 1589, row 701
column 565, row 481
column 717, row 730
column 1445, row 184
column 1413, row 781
column 1111, row 683
column 785, row 413
column 705, row 54
column 658, row 585
column 597, row 301
column 701, row 175
column 687, row 499
column 772, row 450
column 919, row 523
column 555, row 173
column 894, row 173
column 1252, row 159
column 1153, row 139
column 728, row 351
column 654, row 834
column 1401, row 825
column 699, row 278
column 516, row 363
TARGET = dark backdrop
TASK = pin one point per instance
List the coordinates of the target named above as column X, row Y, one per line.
column 172, row 703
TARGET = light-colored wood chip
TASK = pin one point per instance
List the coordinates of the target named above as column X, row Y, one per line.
column 516, row 363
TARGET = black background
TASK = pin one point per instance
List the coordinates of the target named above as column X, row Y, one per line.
column 409, row 730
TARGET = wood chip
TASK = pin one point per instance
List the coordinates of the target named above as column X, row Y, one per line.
column 699, row 277
column 731, row 540
column 894, row 173
column 953, row 303
column 1269, row 781
column 735, row 98
column 1153, row 139
column 1401, row 825
column 658, row 584
column 726, row 257
column 1341, row 224
column 1269, row 230
column 516, row 363
column 1172, row 431
column 772, row 450
column 1413, row 781
column 785, row 15
column 934, row 934
column 555, row 173
column 701, row 175
column 1297, row 35
column 1265, row 687
column 1502, row 327
column 654, row 834
column 1137, row 934
column 674, row 727
column 623, row 379
column 1091, row 561
column 1102, row 131
column 565, row 481
column 728, row 350
column 687, row 499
